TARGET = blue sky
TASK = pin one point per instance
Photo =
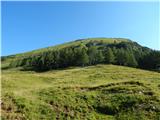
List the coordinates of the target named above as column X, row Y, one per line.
column 31, row 25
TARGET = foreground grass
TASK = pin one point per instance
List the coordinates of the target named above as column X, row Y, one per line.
column 94, row 93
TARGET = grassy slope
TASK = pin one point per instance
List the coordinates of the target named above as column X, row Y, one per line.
column 67, row 44
column 76, row 42
column 95, row 92
column 8, row 59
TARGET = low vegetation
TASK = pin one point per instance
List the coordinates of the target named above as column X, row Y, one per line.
column 93, row 93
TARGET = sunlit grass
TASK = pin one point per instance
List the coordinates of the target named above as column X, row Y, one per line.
column 94, row 92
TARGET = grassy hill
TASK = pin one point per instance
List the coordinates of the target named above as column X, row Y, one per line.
column 6, row 60
column 73, row 43
column 101, row 92
column 82, row 52
column 74, row 91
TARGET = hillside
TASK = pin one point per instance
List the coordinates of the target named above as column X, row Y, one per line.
column 95, row 93
column 85, row 52
column 6, row 60
column 86, row 79
column 73, row 43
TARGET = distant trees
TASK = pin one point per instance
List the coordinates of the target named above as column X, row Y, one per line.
column 100, row 57
column 126, row 57
column 150, row 60
column 109, row 56
column 91, row 54
column 81, row 57
column 95, row 56
column 131, row 61
column 121, row 57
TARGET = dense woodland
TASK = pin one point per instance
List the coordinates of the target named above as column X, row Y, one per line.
column 124, row 53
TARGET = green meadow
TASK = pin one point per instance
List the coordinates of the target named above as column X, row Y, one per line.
column 100, row 92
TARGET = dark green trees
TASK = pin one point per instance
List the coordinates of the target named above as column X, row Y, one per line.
column 95, row 56
column 126, row 57
column 109, row 56
column 81, row 57
column 91, row 54
column 121, row 57
column 151, row 60
column 131, row 61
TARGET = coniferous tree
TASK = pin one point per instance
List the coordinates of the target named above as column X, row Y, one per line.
column 151, row 60
column 121, row 57
column 99, row 57
column 63, row 58
column 56, row 61
column 131, row 61
column 82, row 58
column 92, row 53
column 109, row 56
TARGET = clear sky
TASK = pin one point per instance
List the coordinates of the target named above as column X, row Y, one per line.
column 31, row 25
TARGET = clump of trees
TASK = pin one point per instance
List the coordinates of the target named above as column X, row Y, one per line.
column 125, row 53
column 150, row 60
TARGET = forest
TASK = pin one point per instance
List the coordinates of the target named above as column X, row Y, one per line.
column 124, row 53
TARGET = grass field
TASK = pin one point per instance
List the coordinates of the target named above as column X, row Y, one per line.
column 101, row 92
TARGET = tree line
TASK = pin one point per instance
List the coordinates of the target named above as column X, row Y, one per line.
column 124, row 54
